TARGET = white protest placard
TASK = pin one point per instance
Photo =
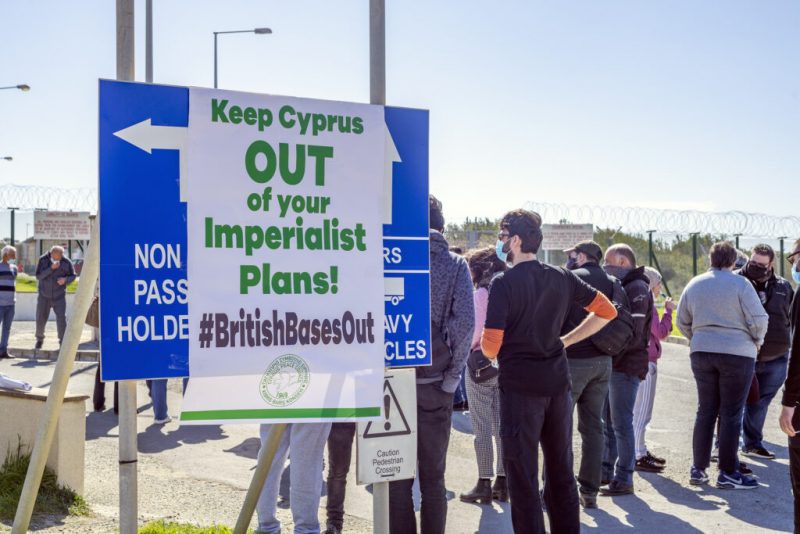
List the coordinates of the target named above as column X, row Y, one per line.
column 61, row 225
column 285, row 267
column 387, row 448
column 564, row 236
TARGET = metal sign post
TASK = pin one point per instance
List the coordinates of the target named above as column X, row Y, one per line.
column 377, row 95
column 128, row 491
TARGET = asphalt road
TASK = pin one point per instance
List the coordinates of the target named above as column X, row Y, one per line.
column 200, row 474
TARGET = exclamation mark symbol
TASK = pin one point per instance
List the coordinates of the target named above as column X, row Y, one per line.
column 386, row 404
column 334, row 279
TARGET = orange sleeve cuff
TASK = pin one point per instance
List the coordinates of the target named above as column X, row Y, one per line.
column 491, row 341
column 602, row 307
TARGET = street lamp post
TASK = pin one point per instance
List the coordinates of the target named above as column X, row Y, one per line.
column 259, row 31
column 22, row 87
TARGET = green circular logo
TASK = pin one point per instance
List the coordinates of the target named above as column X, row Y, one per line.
column 285, row 380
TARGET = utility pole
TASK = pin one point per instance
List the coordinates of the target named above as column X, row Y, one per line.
column 148, row 42
column 377, row 95
column 128, row 498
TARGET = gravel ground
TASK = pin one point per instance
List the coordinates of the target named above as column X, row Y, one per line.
column 200, row 474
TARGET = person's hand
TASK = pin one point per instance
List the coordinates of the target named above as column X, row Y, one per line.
column 670, row 305
column 61, row 281
column 785, row 420
column 54, row 265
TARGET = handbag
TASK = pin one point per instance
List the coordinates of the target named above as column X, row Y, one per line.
column 480, row 367
column 93, row 315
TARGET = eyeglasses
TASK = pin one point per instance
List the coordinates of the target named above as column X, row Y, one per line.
column 502, row 236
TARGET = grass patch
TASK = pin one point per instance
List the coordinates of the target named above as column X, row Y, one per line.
column 27, row 284
column 52, row 499
column 164, row 527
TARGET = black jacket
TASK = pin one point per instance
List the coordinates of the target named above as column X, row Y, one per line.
column 776, row 296
column 634, row 361
column 595, row 276
column 791, row 390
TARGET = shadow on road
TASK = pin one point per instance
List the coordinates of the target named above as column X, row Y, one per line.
column 154, row 439
column 637, row 511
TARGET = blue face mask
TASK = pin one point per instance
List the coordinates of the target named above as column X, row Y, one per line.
column 498, row 249
column 795, row 274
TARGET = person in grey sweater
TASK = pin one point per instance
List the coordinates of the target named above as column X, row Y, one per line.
column 723, row 319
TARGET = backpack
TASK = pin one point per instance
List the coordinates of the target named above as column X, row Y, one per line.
column 615, row 337
column 441, row 351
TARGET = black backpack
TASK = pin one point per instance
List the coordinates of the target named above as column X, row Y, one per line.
column 615, row 337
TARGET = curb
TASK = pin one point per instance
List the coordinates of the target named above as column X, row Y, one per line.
column 52, row 355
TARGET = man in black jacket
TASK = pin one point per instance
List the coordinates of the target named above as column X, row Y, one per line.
column 590, row 371
column 776, row 296
column 629, row 369
column 790, row 418
column 53, row 273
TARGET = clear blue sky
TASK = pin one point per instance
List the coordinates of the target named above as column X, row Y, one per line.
column 673, row 104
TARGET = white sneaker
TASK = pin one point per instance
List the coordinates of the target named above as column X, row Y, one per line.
column 164, row 421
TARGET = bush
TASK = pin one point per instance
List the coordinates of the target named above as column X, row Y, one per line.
column 163, row 527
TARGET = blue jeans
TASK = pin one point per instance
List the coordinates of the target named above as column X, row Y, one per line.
column 306, row 442
column 158, row 394
column 6, row 316
column 770, row 377
column 619, row 456
column 723, row 381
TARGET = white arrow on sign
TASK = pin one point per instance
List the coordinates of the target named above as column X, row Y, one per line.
column 391, row 155
column 147, row 137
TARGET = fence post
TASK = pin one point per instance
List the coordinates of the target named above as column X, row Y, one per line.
column 650, row 247
column 694, row 253
column 782, row 259
column 737, row 236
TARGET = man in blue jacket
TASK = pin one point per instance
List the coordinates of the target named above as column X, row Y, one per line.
column 54, row 273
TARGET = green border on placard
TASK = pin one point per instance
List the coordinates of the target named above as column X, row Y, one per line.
column 281, row 413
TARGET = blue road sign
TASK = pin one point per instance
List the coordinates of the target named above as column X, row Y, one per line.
column 406, row 256
column 144, row 328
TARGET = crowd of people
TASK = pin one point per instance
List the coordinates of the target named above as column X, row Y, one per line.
column 531, row 344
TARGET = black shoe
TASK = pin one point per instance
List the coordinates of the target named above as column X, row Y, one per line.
column 39, row 343
column 332, row 529
column 481, row 493
column 616, row 488
column 5, row 355
column 743, row 469
column 753, row 452
column 660, row 461
column 588, row 500
column 648, row 465
column 500, row 489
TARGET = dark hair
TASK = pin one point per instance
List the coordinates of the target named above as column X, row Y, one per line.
column 621, row 249
column 527, row 225
column 483, row 265
column 722, row 254
column 763, row 249
column 435, row 215
column 457, row 250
